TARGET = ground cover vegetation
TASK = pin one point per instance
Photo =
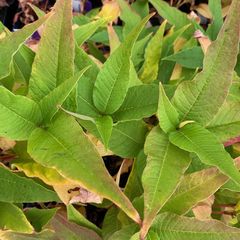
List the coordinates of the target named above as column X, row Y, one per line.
column 121, row 123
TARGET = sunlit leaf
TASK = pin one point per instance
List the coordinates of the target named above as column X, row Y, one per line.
column 19, row 116
column 53, row 63
column 16, row 189
column 170, row 226
column 163, row 158
column 112, row 82
column 194, row 99
column 69, row 151
column 13, row 218
column 194, row 138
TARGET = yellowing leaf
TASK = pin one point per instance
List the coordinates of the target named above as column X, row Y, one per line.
column 65, row 147
column 13, row 218
column 110, row 10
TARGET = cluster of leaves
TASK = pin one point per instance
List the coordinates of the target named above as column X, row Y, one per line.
column 161, row 97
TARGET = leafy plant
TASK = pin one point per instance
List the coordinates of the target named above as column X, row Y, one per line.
column 156, row 95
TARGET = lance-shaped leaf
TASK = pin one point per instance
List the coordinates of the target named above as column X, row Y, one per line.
column 75, row 216
column 195, row 188
column 194, row 138
column 127, row 137
column 111, row 223
column 39, row 12
column 114, row 41
column 190, row 58
column 215, row 7
column 85, row 105
column 40, row 217
column 10, row 235
column 195, row 99
column 173, row 15
column 49, row 176
column 124, row 233
column 112, row 82
column 49, row 104
column 19, row 115
column 63, row 229
column 13, row 218
column 141, row 101
column 104, row 125
column 16, row 189
column 128, row 16
column 167, row 114
column 141, row 7
column 65, row 147
column 170, row 226
column 54, row 61
column 226, row 124
column 149, row 70
column 10, row 44
column 133, row 186
column 165, row 167
column 84, row 32
column 22, row 64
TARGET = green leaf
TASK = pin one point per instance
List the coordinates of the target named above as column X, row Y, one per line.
column 85, row 105
column 173, row 227
column 9, row 235
column 166, row 67
column 22, row 64
column 84, row 32
column 19, row 116
column 226, row 124
column 173, row 15
column 49, row 176
column 193, row 189
column 111, row 224
column 133, row 186
column 104, row 125
column 140, row 102
column 37, row 10
column 40, row 217
column 139, row 50
column 10, row 44
column 49, row 103
column 133, row 78
column 64, row 147
column 114, row 41
column 158, row 184
column 125, row 233
column 149, row 70
column 63, row 229
column 141, row 7
column 194, row 138
column 231, row 186
column 215, row 7
column 13, row 218
column 190, row 58
column 127, row 137
column 54, row 61
column 16, row 189
column 167, row 114
column 112, row 82
column 194, row 99
column 75, row 216
column 128, row 16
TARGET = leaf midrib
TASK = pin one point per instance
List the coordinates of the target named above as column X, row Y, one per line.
column 208, row 76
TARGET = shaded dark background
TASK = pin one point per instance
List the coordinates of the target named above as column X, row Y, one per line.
column 8, row 13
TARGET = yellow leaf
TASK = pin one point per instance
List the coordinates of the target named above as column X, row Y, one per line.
column 110, row 10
